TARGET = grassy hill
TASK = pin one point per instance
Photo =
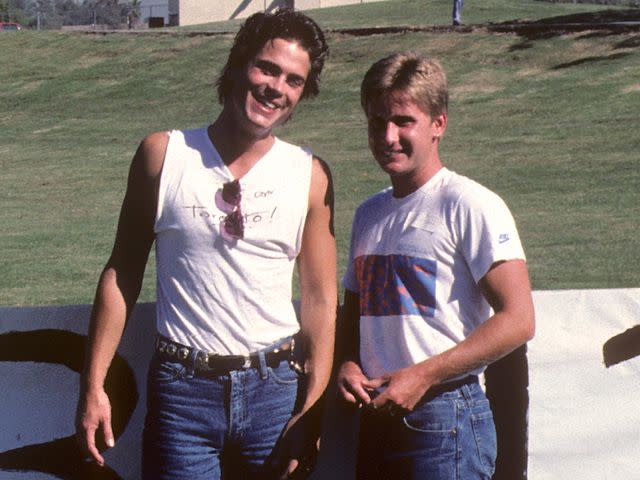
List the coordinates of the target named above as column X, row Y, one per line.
column 545, row 117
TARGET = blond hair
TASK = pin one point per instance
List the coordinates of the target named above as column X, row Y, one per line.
column 422, row 79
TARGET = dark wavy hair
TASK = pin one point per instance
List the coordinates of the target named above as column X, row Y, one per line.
column 262, row 27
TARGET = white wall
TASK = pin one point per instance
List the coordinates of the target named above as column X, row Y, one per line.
column 584, row 417
column 193, row 12
column 310, row 4
column 38, row 399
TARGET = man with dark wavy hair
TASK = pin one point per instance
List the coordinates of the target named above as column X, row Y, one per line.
column 256, row 32
column 236, row 382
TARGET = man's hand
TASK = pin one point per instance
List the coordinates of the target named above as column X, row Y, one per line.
column 403, row 390
column 354, row 386
column 93, row 415
column 296, row 452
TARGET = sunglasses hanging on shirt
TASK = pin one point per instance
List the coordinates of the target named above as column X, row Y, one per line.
column 232, row 225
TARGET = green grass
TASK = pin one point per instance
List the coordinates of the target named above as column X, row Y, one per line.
column 550, row 122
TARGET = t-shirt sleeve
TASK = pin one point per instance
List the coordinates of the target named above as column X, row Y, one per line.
column 487, row 230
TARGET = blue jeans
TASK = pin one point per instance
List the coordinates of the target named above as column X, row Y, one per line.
column 217, row 427
column 457, row 11
column 447, row 437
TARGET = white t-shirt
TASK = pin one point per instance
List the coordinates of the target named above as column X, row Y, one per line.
column 415, row 263
column 219, row 295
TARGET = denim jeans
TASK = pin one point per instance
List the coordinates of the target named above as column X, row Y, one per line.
column 217, row 427
column 450, row 436
column 457, row 11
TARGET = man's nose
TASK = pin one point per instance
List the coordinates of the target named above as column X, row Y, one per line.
column 277, row 83
column 390, row 132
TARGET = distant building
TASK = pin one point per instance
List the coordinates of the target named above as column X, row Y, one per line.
column 193, row 12
column 159, row 13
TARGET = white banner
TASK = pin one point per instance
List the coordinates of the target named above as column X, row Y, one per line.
column 584, row 417
column 40, row 358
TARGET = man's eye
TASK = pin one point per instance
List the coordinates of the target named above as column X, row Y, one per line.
column 376, row 123
column 268, row 71
column 296, row 82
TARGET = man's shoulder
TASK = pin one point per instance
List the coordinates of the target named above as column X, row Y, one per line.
column 291, row 148
column 452, row 180
column 460, row 188
column 192, row 136
column 156, row 139
column 151, row 152
column 160, row 139
column 375, row 201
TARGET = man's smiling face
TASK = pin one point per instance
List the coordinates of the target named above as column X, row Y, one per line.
column 403, row 137
column 271, row 86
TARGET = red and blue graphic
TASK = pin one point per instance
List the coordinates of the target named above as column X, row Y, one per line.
column 396, row 285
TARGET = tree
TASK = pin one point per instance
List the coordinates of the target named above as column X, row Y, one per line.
column 56, row 13
column 14, row 11
column 133, row 14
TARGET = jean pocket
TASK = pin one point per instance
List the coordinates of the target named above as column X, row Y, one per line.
column 283, row 374
column 433, row 417
column 484, row 432
column 163, row 372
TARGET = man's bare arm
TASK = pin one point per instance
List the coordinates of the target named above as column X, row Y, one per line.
column 318, row 304
column 507, row 289
column 318, row 288
column 118, row 290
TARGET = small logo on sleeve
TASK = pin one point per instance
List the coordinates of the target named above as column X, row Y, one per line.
column 504, row 237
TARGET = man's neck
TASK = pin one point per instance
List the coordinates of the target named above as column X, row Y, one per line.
column 239, row 150
column 404, row 185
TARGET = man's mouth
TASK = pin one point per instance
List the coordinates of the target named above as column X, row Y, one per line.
column 390, row 152
column 268, row 104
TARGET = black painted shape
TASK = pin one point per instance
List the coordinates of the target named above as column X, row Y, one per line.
column 507, row 382
column 62, row 457
column 622, row 347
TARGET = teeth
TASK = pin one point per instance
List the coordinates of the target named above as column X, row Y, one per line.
column 268, row 104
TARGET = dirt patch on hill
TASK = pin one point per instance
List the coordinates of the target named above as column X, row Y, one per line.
column 613, row 21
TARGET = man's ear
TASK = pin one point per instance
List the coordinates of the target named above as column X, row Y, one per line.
column 440, row 123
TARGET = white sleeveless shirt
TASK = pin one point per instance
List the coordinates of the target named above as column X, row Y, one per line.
column 219, row 295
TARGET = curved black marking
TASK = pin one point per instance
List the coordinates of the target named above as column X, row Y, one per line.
column 62, row 457
column 622, row 347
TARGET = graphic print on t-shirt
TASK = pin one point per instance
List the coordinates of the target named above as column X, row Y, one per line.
column 393, row 285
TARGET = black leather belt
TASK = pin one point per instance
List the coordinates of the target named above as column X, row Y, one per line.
column 214, row 364
column 451, row 386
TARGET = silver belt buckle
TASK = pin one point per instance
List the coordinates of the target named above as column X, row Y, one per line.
column 294, row 362
column 247, row 362
column 202, row 359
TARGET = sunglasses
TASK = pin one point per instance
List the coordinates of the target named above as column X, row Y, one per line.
column 232, row 226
